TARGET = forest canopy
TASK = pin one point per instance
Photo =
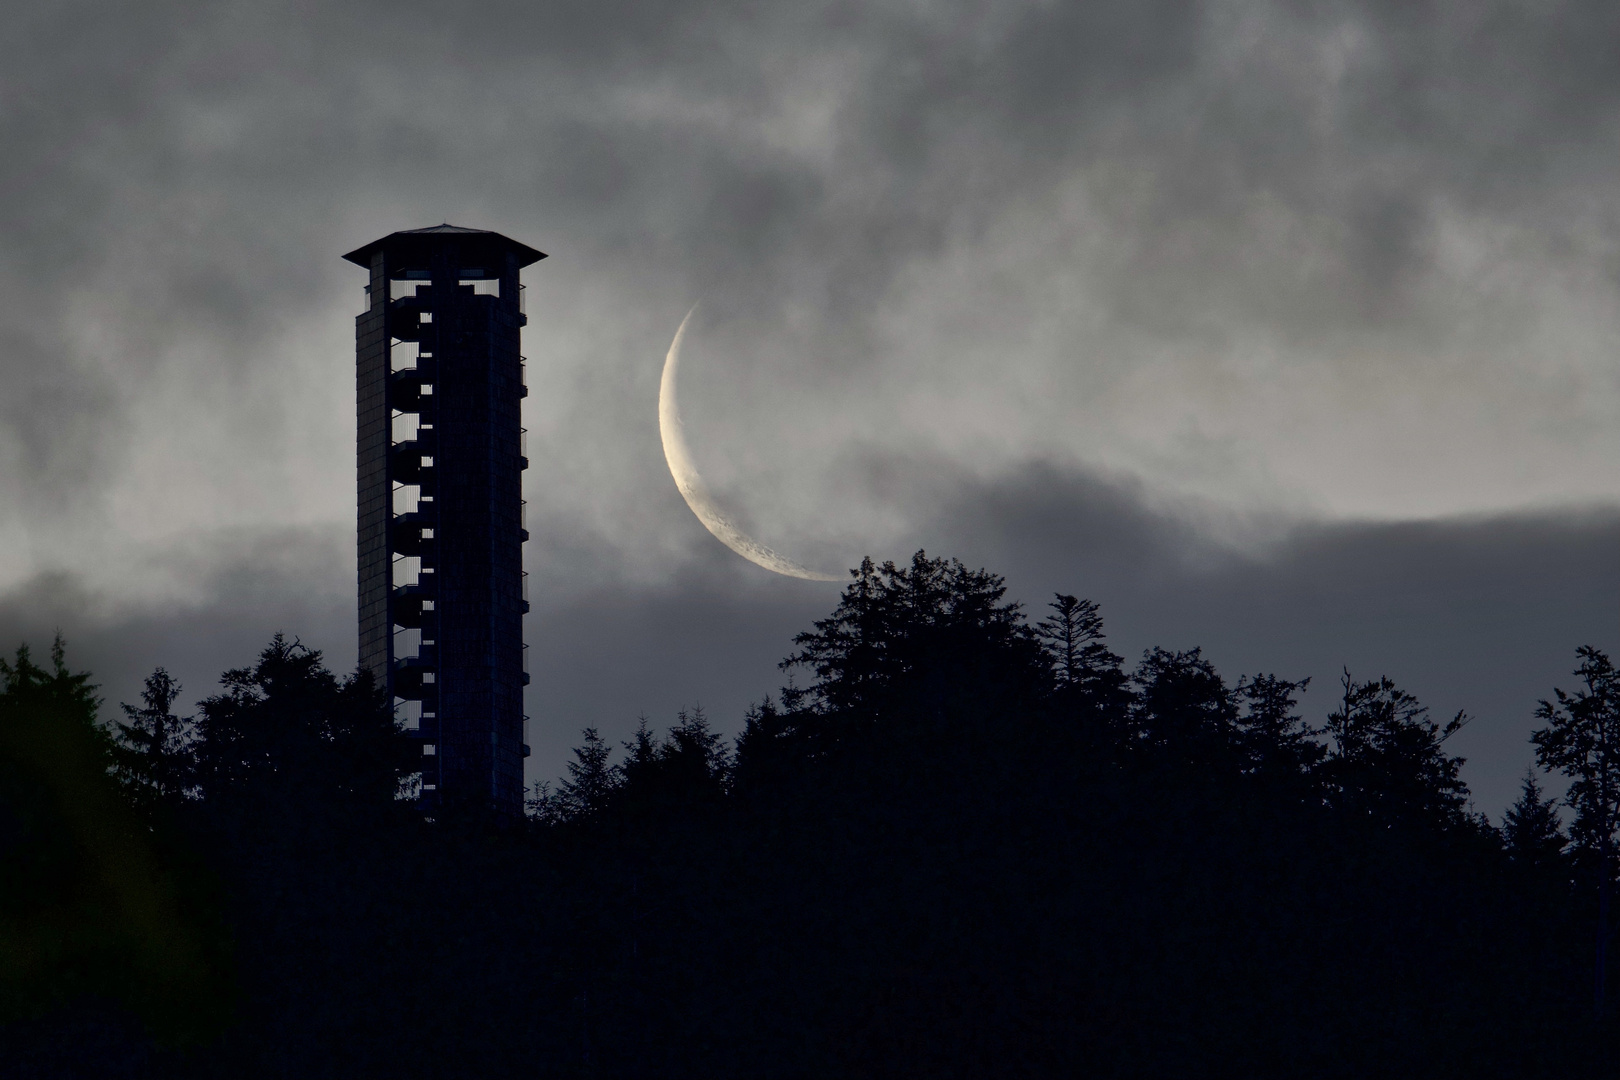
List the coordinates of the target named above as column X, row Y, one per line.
column 963, row 841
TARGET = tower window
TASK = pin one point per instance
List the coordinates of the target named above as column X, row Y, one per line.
column 479, row 280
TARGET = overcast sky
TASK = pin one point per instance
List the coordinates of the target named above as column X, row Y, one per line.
column 1285, row 330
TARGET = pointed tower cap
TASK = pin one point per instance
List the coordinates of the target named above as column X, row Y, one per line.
column 410, row 241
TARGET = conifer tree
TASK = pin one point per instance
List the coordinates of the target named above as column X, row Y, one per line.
column 691, row 766
column 1272, row 739
column 542, row 804
column 88, row 907
column 693, row 742
column 1531, row 829
column 1082, row 665
column 1387, row 760
column 289, row 725
column 1073, row 625
column 1183, row 707
column 917, row 635
column 154, row 757
column 641, row 753
column 591, row 781
column 767, row 750
column 27, row 685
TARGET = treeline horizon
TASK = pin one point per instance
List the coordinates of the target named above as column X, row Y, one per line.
column 971, row 843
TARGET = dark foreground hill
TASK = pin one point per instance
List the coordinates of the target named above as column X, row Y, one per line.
column 968, row 847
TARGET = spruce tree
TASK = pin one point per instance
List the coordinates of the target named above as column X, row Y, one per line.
column 591, row 780
column 1531, row 829
column 155, row 755
column 691, row 767
column 1272, row 739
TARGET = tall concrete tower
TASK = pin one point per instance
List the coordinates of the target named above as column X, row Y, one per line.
column 441, row 456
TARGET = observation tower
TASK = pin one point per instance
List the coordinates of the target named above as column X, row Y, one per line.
column 441, row 453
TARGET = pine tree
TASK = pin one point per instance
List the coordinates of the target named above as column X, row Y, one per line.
column 27, row 685
column 1272, row 739
column 767, row 753
column 697, row 753
column 690, row 767
column 154, row 758
column 591, row 780
column 1073, row 639
column 641, row 754
column 1531, row 828
column 90, row 906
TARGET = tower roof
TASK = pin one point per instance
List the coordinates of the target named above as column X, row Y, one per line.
column 409, row 241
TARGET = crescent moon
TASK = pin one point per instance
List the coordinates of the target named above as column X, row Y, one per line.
column 696, row 493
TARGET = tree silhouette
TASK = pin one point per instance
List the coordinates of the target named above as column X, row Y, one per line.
column 1091, row 686
column 1272, row 740
column 1183, row 707
column 1387, row 760
column 27, row 685
column 1073, row 635
column 155, row 755
column 92, row 906
column 919, row 635
column 591, row 782
column 287, row 728
column 1582, row 740
column 924, row 863
column 1533, row 834
column 689, row 768
column 769, row 754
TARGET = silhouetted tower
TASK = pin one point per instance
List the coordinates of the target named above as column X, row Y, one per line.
column 441, row 456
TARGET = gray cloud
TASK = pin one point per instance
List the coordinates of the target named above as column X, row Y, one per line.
column 1482, row 614
column 1291, row 265
column 236, row 592
column 1479, row 614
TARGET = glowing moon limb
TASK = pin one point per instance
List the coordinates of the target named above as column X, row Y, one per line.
column 696, row 493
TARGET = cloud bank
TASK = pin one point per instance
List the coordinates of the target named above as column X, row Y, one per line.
column 1227, row 291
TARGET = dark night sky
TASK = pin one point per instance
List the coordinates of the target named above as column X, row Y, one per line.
column 1287, row 330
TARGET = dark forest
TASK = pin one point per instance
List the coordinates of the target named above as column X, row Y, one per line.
column 964, row 840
